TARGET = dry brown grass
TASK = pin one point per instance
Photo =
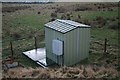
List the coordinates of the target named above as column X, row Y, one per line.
column 63, row 72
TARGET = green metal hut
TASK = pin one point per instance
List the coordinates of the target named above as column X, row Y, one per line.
column 67, row 42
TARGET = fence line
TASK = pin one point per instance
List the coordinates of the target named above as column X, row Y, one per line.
column 21, row 45
column 24, row 38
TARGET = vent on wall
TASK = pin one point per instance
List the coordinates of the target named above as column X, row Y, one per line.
column 57, row 47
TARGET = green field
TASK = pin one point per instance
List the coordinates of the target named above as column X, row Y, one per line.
column 25, row 27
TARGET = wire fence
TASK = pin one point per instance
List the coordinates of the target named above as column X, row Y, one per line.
column 21, row 45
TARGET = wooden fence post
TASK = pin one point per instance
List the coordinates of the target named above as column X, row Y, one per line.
column 11, row 47
column 105, row 45
column 35, row 44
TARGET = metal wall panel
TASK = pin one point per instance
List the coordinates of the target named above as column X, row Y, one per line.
column 49, row 36
column 76, row 45
column 70, row 49
column 84, row 37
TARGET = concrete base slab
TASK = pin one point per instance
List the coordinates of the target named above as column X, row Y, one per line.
column 43, row 63
column 36, row 55
column 39, row 56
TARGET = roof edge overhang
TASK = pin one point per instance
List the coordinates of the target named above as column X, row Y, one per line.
column 86, row 26
column 68, row 31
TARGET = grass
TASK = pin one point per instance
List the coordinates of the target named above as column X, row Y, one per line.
column 19, row 47
column 30, row 24
column 34, row 21
column 90, row 15
column 102, row 33
column 27, row 61
column 25, row 25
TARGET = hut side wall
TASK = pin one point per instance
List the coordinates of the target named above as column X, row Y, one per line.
column 70, row 46
column 84, row 42
column 76, row 45
column 49, row 36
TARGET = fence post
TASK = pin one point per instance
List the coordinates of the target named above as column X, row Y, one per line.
column 105, row 45
column 11, row 47
column 35, row 44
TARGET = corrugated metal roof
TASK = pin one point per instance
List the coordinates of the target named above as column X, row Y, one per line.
column 64, row 25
